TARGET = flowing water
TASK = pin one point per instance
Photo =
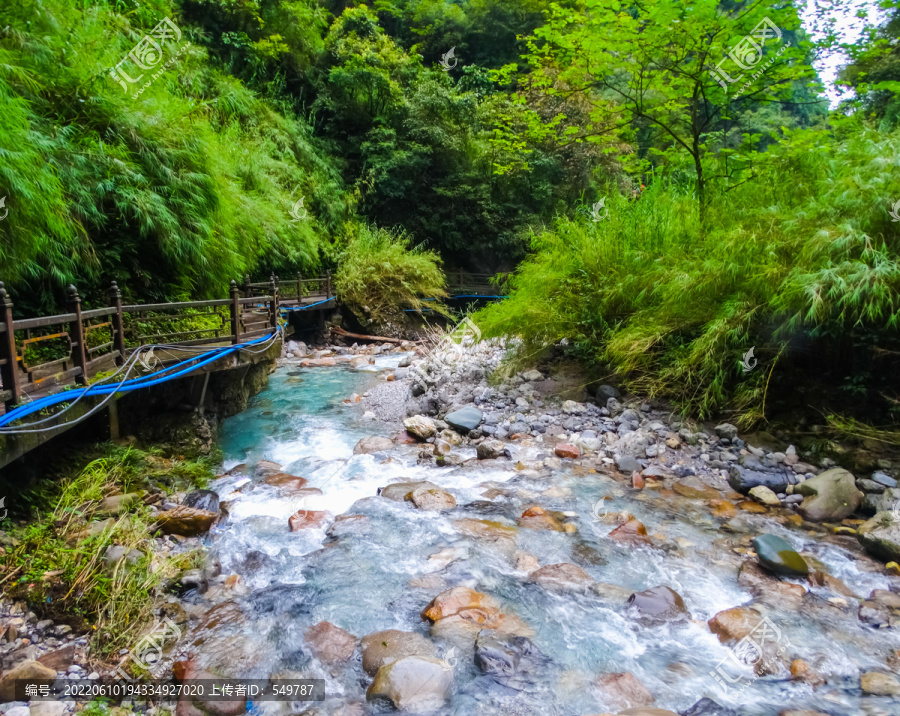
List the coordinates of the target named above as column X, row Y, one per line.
column 358, row 576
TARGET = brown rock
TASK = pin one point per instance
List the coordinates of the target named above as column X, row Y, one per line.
column 185, row 521
column 623, row 690
column 561, row 577
column 632, row 532
column 330, row 643
column 536, row 518
column 723, row 509
column 306, row 519
column 385, row 647
column 801, row 671
column 484, row 528
column 30, row 670
column 432, row 499
column 566, row 450
column 59, row 660
column 768, row 589
column 695, row 489
column 754, row 507
column 734, row 624
column 399, row 490
column 453, row 601
column 878, row 684
column 415, row 683
column 266, row 467
column 286, row 482
column 637, row 481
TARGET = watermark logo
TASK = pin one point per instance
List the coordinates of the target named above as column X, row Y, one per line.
column 748, row 362
column 446, row 57
column 894, row 212
column 3, row 500
column 147, row 54
column 596, row 210
column 449, row 349
column 149, row 360
column 296, row 209
column 148, row 652
column 450, row 660
column 600, row 510
column 747, row 55
column 761, row 647
column 4, row 212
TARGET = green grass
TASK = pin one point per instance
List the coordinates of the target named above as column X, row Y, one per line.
column 803, row 264
column 58, row 568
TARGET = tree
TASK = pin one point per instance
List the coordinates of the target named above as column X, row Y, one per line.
column 672, row 69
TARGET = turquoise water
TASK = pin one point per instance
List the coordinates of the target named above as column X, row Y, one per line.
column 358, row 576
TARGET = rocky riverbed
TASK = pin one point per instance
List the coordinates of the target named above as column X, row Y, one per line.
column 457, row 538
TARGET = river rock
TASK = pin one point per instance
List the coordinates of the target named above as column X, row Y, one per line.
column 831, row 495
column 694, row 488
column 464, row 419
column 44, row 708
column 386, row 647
column 115, row 505
column 565, row 450
column 777, row 556
column 768, row 588
column 454, row 600
column 537, row 518
column 632, row 532
column 880, row 536
column 432, row 499
column 508, row 658
column 420, row 426
column 878, row 684
column 285, row 481
column 708, row 707
column 416, row 683
column 490, row 449
column 623, row 690
column 398, row 491
column 202, row 500
column 605, row 392
column 751, row 472
column 883, row 478
column 31, row 670
column 726, row 430
column 628, row 464
column 485, row 529
column 658, row 605
column 373, row 443
column 562, row 577
column 731, row 625
column 185, row 521
column 765, row 496
column 266, row 467
column 306, row 519
column 329, row 643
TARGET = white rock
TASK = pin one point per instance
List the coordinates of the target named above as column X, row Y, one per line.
column 18, row 711
column 47, row 708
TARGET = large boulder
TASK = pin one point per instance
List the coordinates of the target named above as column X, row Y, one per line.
column 285, row 481
column 511, row 659
column 632, row 532
column 732, row 625
column 831, row 495
column 386, row 647
column 464, row 419
column 455, row 600
column 420, row 426
column 373, row 443
column 490, row 449
column 880, row 536
column 777, row 556
column 414, row 683
column 658, row 605
column 329, row 643
column 185, row 521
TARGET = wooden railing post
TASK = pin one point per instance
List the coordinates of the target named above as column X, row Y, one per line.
column 76, row 332
column 9, row 371
column 246, row 284
column 328, row 284
column 299, row 288
column 273, row 303
column 118, row 322
column 235, row 313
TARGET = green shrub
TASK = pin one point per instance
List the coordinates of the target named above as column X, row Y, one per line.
column 380, row 272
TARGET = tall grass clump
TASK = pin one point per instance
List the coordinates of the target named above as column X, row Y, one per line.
column 381, row 271
column 56, row 561
column 802, row 264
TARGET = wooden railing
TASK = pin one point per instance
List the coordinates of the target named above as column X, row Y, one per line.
column 477, row 284
column 38, row 353
column 292, row 290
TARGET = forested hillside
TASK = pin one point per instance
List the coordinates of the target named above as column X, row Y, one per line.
column 669, row 172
